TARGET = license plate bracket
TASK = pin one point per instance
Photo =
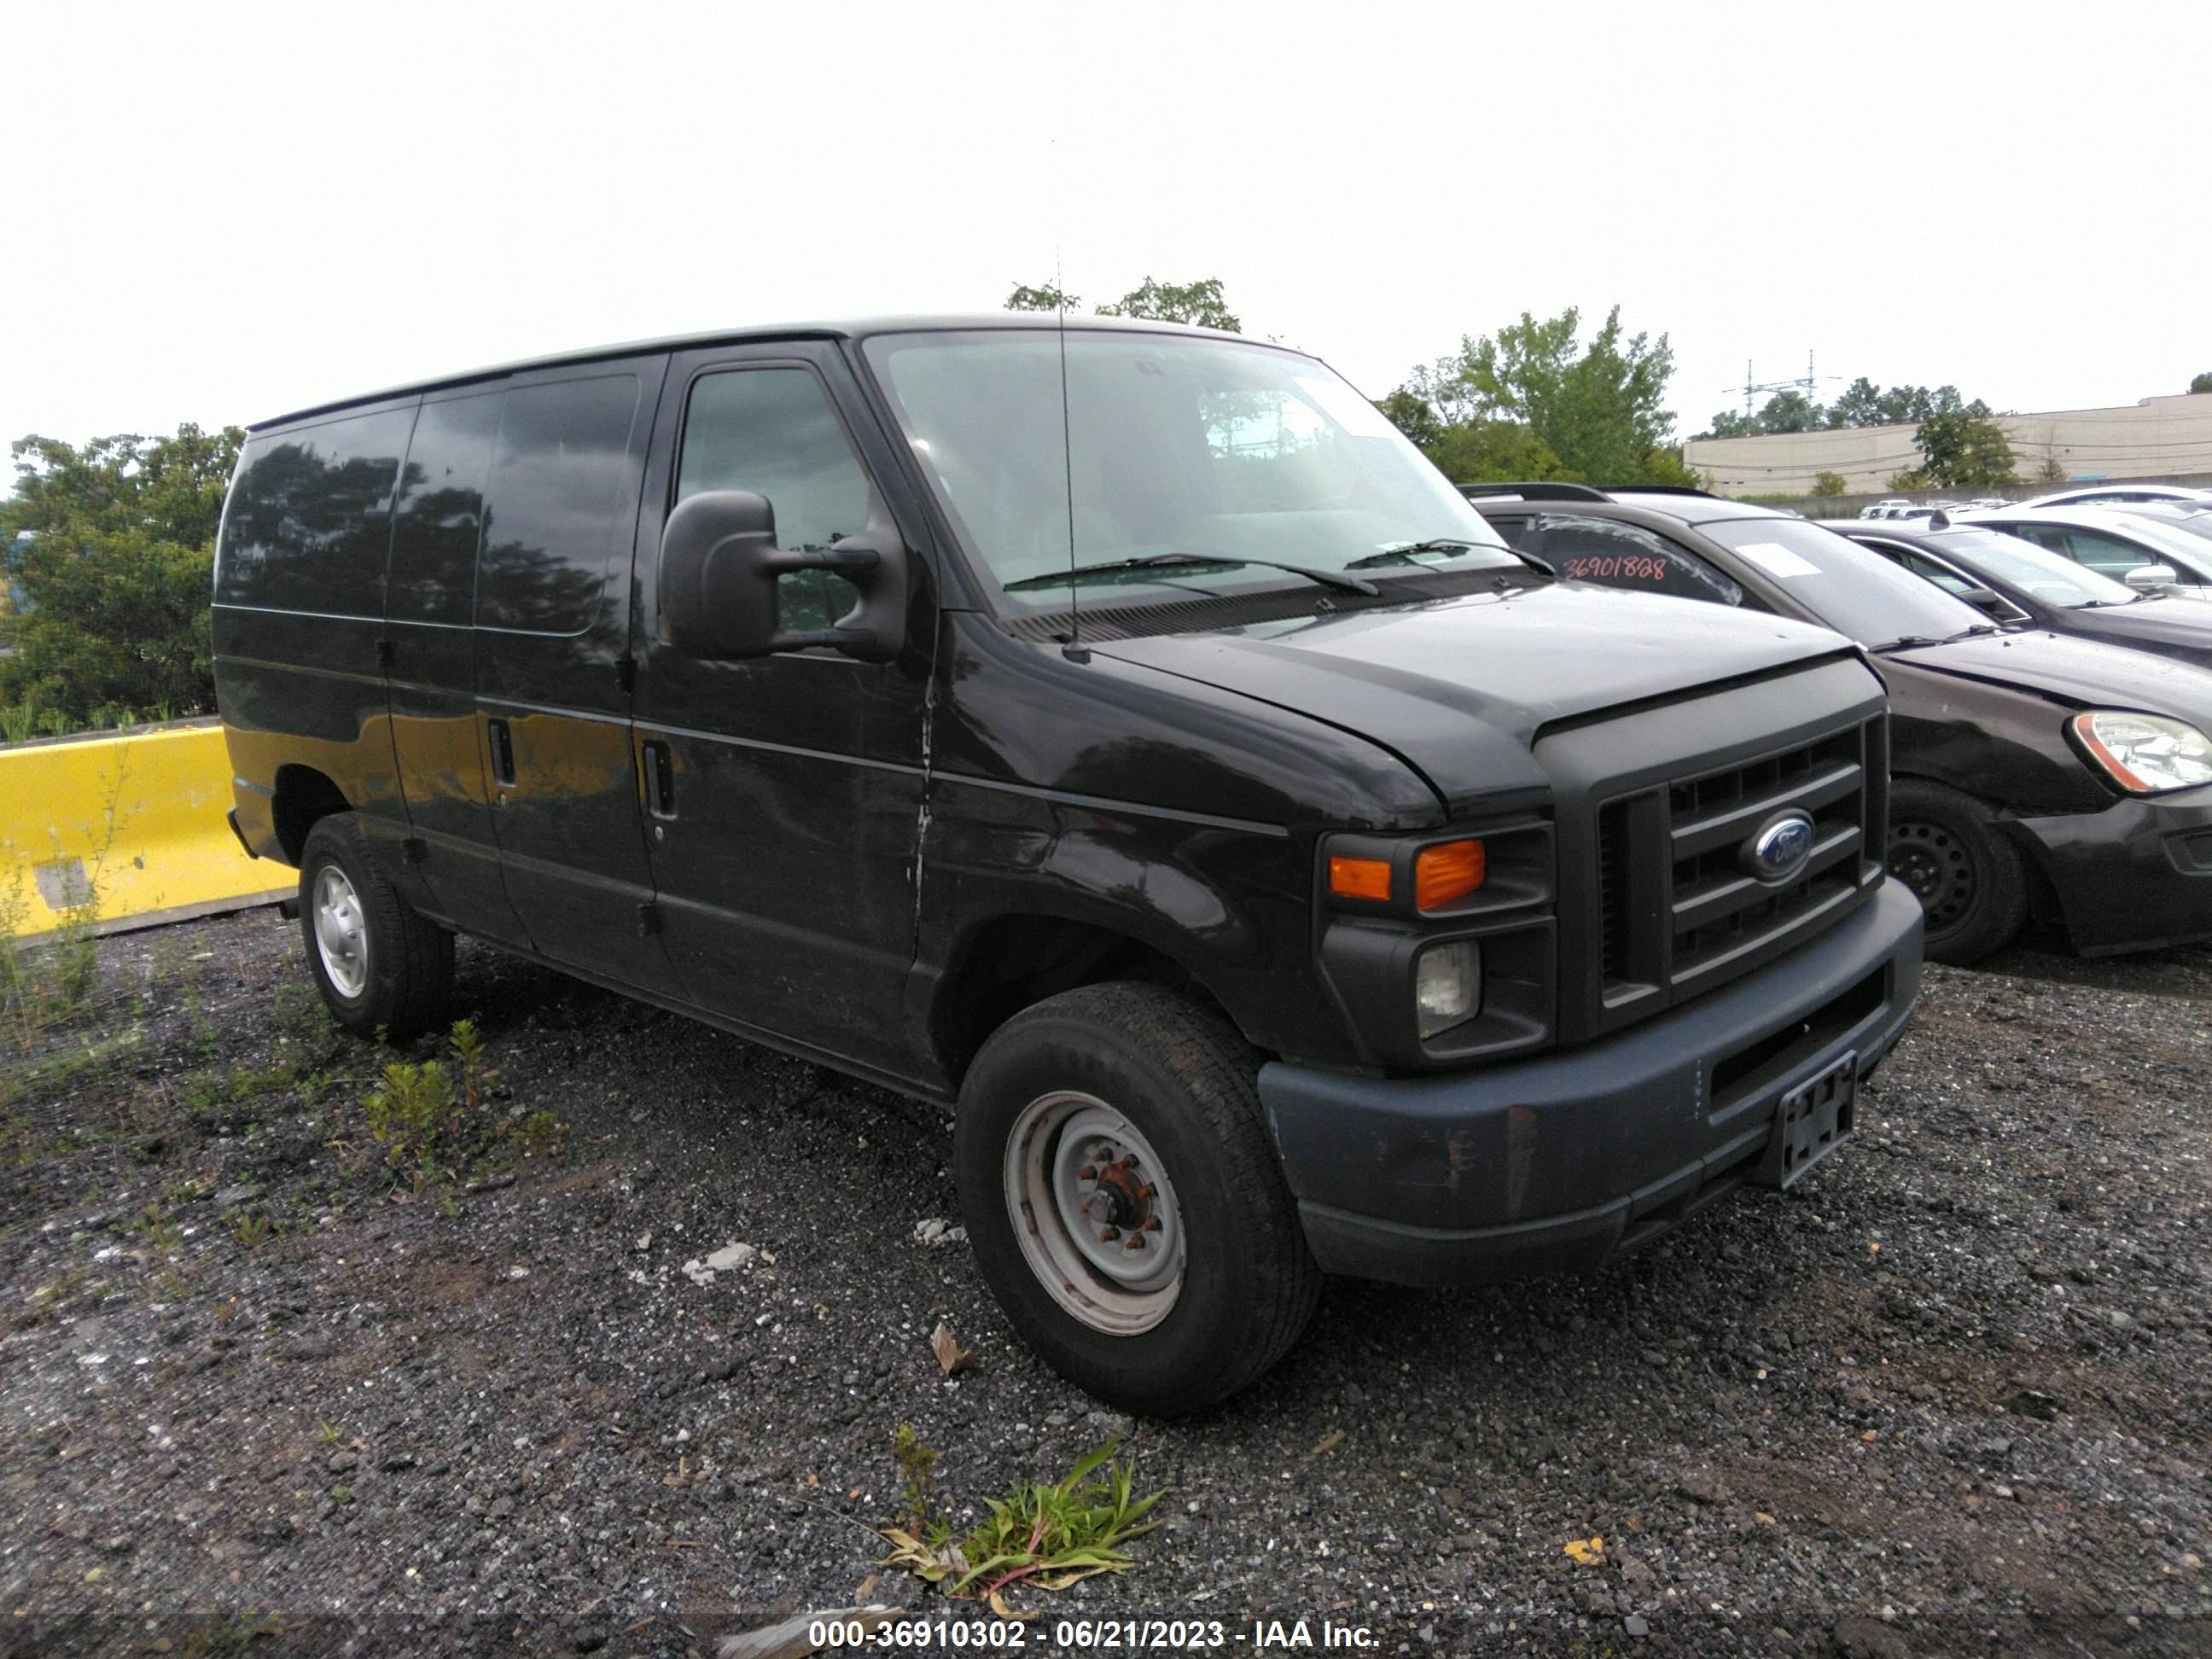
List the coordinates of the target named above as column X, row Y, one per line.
column 1814, row 1119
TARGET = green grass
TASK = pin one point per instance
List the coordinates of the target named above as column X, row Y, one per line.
column 1048, row 1536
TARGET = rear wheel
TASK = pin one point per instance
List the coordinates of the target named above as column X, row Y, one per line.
column 379, row 965
column 1125, row 1201
column 1946, row 846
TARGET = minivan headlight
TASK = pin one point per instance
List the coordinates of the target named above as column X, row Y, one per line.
column 1448, row 986
column 2145, row 753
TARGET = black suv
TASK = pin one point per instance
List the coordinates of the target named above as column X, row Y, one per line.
column 1119, row 734
column 2029, row 769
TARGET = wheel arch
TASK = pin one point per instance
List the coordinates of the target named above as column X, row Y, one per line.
column 1015, row 960
column 301, row 796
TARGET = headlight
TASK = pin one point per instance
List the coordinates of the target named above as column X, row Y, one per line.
column 1448, row 986
column 2145, row 753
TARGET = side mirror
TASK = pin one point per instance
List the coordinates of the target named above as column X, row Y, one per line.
column 2151, row 579
column 718, row 568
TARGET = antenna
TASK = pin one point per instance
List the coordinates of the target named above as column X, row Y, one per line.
column 1074, row 650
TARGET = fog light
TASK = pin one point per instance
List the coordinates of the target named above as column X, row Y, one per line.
column 1448, row 986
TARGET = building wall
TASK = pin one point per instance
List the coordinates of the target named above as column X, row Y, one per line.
column 2156, row 438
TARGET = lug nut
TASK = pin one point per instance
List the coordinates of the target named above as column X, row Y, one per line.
column 1108, row 1235
column 1088, row 1172
column 1136, row 1242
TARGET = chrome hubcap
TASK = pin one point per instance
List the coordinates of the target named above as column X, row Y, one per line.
column 340, row 935
column 1094, row 1212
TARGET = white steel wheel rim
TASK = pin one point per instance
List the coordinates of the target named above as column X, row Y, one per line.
column 1082, row 1183
column 341, row 931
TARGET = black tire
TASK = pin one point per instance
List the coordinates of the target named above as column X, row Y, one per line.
column 1186, row 1083
column 1971, row 882
column 406, row 969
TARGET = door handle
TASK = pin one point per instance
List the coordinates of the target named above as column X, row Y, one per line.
column 659, row 778
column 503, row 752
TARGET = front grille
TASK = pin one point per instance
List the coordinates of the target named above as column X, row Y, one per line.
column 1709, row 918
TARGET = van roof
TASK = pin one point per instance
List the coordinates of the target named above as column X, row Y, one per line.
column 848, row 329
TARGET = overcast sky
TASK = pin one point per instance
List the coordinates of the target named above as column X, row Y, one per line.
column 220, row 212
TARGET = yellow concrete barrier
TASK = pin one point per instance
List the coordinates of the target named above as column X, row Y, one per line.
column 130, row 825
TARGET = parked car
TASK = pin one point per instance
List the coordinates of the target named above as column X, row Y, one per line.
column 1889, row 508
column 2017, row 584
column 2082, row 762
column 2096, row 494
column 2131, row 547
column 2185, row 516
column 1274, row 872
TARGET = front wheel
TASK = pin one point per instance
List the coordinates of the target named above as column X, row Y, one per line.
column 1124, row 1201
column 1946, row 846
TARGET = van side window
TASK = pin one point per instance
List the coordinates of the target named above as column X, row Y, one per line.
column 311, row 515
column 434, row 543
column 1615, row 555
column 552, row 511
column 773, row 432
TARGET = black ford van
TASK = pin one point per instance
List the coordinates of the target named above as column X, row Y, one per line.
column 1117, row 732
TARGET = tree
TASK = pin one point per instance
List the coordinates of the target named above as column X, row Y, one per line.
column 1485, row 452
column 1047, row 297
column 1601, row 409
column 1791, row 411
column 1828, row 483
column 1413, row 415
column 1199, row 303
column 1667, row 466
column 1961, row 444
column 1986, row 458
column 115, row 570
column 2202, row 382
column 1859, row 404
column 1729, row 424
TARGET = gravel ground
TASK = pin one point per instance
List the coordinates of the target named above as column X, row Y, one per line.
column 1952, row 1395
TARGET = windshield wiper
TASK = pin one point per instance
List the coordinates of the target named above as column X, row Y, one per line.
column 1903, row 641
column 1403, row 552
column 1196, row 562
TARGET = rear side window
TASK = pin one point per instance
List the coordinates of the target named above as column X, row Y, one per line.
column 309, row 518
column 433, row 543
column 2106, row 554
column 1628, row 556
column 553, row 508
column 773, row 432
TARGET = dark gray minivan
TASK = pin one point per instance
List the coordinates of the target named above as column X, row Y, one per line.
column 1119, row 734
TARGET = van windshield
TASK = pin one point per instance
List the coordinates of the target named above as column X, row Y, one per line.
column 1177, row 447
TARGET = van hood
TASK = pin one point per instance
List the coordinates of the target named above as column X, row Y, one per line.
column 2078, row 672
column 1460, row 688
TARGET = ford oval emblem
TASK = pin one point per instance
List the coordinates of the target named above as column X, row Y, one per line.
column 1778, row 852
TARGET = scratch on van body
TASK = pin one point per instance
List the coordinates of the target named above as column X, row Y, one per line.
column 922, row 807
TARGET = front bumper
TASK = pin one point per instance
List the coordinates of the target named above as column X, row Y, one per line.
column 2134, row 877
column 1564, row 1160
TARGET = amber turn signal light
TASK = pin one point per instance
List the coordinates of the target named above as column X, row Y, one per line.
column 1449, row 871
column 1360, row 879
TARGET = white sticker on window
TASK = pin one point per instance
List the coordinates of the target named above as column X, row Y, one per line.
column 1345, row 406
column 1777, row 560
